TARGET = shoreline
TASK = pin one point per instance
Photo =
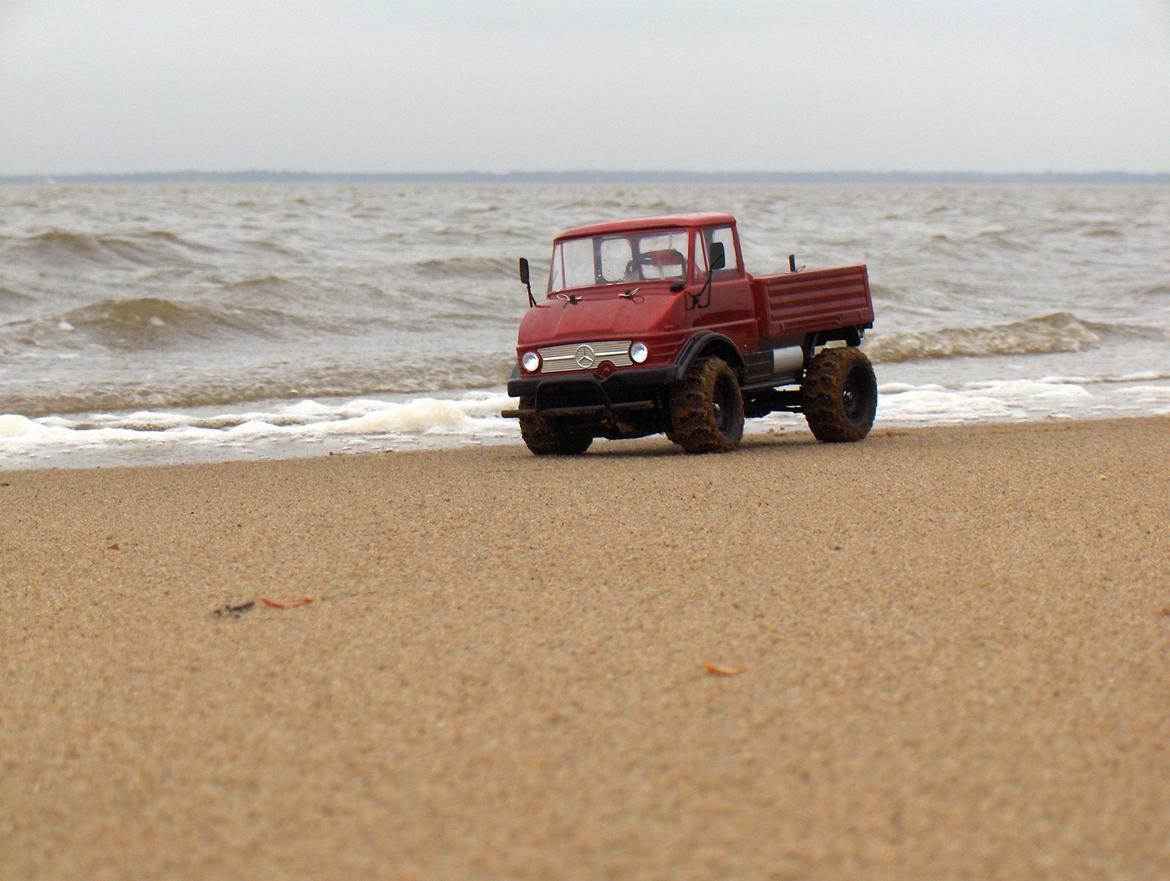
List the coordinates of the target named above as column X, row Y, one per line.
column 120, row 452
column 953, row 646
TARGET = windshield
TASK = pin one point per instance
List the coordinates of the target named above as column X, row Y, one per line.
column 619, row 258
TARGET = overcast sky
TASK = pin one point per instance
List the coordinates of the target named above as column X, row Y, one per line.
column 450, row 85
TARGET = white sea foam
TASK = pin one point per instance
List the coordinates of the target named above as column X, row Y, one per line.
column 314, row 427
column 13, row 426
column 936, row 406
column 416, row 417
column 149, row 435
column 1146, row 394
column 1016, row 399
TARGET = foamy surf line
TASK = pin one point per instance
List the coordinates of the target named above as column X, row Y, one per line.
column 283, row 430
column 307, row 427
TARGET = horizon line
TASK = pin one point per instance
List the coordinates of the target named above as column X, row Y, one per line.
column 595, row 176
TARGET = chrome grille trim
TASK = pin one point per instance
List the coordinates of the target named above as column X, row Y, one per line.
column 559, row 359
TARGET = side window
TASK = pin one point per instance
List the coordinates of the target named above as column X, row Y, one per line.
column 700, row 272
column 723, row 234
column 663, row 254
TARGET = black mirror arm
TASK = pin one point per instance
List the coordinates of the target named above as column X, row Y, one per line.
column 705, row 289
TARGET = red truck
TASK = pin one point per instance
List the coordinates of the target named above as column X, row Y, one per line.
column 653, row 325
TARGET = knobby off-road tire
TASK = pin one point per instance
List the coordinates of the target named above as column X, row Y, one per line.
column 706, row 408
column 839, row 395
column 545, row 438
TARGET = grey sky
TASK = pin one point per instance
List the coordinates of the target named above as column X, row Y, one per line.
column 792, row 85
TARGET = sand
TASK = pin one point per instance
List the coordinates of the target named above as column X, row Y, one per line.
column 954, row 643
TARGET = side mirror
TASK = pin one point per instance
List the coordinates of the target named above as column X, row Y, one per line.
column 524, row 276
column 718, row 256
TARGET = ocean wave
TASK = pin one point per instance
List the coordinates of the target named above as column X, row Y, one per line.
column 1101, row 231
column 9, row 297
column 263, row 283
column 1058, row 332
column 269, row 288
column 55, row 248
column 157, row 313
column 140, row 323
column 419, row 375
column 976, row 246
column 465, row 267
column 269, row 247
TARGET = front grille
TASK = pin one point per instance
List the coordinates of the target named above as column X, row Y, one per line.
column 584, row 356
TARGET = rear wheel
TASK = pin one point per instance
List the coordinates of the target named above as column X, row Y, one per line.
column 839, row 395
column 545, row 437
column 706, row 408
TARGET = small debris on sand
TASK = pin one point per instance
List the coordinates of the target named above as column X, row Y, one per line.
column 234, row 611
column 276, row 604
column 720, row 670
column 114, row 547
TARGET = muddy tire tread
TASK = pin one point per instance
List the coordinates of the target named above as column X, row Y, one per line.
column 821, row 395
column 692, row 423
column 544, row 438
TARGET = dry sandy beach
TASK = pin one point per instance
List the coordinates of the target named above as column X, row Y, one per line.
column 954, row 644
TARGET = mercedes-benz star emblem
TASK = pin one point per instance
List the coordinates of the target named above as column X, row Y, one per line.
column 584, row 356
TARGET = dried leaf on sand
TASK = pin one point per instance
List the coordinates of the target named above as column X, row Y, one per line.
column 277, row 604
column 721, row 670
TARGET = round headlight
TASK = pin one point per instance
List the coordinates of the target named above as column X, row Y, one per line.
column 530, row 362
column 639, row 353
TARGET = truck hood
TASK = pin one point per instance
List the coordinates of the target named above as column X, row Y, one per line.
column 555, row 321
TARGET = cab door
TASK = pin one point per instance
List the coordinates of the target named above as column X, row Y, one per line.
column 726, row 306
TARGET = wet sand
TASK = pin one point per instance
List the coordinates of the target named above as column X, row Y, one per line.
column 954, row 643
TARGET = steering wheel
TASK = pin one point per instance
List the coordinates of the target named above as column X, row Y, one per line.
column 668, row 257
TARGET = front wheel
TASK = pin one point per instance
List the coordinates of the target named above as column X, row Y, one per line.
column 545, row 437
column 839, row 395
column 706, row 408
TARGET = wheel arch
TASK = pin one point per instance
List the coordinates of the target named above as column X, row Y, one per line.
column 705, row 345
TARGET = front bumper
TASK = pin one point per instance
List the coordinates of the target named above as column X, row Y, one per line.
column 587, row 395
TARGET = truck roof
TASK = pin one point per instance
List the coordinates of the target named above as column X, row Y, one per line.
column 661, row 220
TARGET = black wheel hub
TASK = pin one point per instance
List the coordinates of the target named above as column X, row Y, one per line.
column 722, row 408
column 853, row 396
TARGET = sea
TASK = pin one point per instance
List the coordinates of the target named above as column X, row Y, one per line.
column 160, row 323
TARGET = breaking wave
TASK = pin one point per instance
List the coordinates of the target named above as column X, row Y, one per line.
column 142, row 323
column 1058, row 332
column 55, row 248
